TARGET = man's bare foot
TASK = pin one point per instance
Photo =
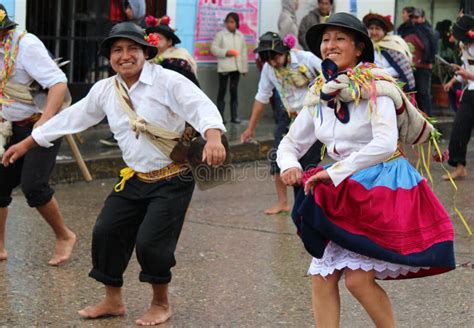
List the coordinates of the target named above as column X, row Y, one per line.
column 459, row 172
column 156, row 314
column 63, row 249
column 277, row 208
column 103, row 309
column 3, row 254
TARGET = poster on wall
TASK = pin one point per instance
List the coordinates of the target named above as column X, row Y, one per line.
column 210, row 20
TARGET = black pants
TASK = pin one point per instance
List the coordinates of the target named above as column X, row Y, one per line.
column 233, row 86
column 462, row 129
column 423, row 89
column 144, row 216
column 32, row 171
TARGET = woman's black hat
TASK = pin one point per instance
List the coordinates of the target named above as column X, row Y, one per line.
column 271, row 41
column 6, row 23
column 127, row 30
column 344, row 20
column 463, row 29
column 165, row 30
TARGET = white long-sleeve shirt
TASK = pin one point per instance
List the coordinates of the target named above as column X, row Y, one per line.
column 32, row 63
column 294, row 96
column 364, row 141
column 160, row 96
column 382, row 62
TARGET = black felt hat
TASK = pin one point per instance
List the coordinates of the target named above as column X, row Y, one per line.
column 164, row 30
column 463, row 29
column 271, row 41
column 6, row 23
column 344, row 20
column 127, row 30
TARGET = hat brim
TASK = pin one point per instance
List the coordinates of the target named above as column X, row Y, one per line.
column 167, row 33
column 463, row 25
column 8, row 24
column 371, row 16
column 107, row 43
column 277, row 50
column 315, row 34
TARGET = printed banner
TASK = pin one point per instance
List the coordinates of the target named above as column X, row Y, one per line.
column 210, row 20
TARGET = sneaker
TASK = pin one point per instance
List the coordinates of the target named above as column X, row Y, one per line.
column 110, row 141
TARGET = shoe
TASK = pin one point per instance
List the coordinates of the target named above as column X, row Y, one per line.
column 110, row 141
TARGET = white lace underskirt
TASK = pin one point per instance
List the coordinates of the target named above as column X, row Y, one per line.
column 337, row 258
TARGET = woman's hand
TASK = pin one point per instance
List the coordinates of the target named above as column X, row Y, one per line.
column 292, row 176
column 448, row 85
column 462, row 72
column 321, row 176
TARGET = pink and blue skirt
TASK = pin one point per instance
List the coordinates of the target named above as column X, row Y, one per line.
column 386, row 213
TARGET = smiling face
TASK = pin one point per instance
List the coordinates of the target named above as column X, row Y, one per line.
column 376, row 32
column 338, row 45
column 127, row 59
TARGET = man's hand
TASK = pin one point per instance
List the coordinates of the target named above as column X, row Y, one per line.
column 321, row 176
column 246, row 135
column 16, row 151
column 292, row 176
column 214, row 152
column 448, row 85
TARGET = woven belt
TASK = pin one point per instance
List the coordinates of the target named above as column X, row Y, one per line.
column 398, row 153
column 28, row 121
column 166, row 172
column 169, row 171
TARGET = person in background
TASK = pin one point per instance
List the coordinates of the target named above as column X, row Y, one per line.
column 448, row 49
column 421, row 36
column 463, row 31
column 24, row 61
column 287, row 23
column 314, row 17
column 135, row 11
column 160, row 34
column 230, row 48
column 390, row 51
column 289, row 71
column 406, row 25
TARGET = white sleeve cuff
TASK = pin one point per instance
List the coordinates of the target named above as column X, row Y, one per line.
column 39, row 138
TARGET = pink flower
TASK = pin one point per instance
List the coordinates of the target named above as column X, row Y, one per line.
column 153, row 39
column 441, row 158
column 165, row 20
column 289, row 41
column 470, row 34
column 151, row 21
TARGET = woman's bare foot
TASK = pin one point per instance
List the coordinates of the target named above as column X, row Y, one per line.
column 63, row 249
column 277, row 208
column 156, row 314
column 105, row 308
column 3, row 254
column 459, row 172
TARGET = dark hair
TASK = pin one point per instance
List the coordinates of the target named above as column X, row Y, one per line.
column 378, row 23
column 235, row 17
column 268, row 55
column 331, row 1
column 409, row 9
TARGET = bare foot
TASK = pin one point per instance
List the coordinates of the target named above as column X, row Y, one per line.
column 3, row 254
column 458, row 173
column 156, row 314
column 277, row 208
column 103, row 309
column 63, row 249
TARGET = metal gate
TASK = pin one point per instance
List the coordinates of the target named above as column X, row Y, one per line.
column 73, row 30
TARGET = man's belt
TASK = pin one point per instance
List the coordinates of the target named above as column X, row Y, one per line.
column 166, row 172
column 28, row 121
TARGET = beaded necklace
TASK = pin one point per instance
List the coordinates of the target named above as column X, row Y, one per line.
column 9, row 58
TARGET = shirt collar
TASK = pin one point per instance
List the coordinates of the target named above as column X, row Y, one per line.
column 146, row 76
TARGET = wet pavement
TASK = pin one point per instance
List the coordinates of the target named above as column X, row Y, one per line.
column 236, row 266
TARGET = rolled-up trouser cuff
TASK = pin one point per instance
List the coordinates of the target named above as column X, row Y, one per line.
column 153, row 279
column 40, row 199
column 100, row 277
column 5, row 201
